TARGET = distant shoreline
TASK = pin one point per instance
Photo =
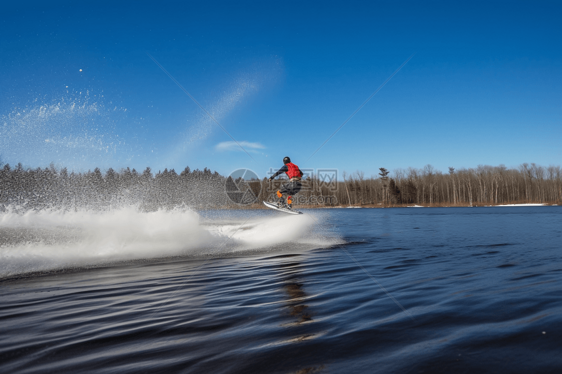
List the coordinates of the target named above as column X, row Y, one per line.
column 52, row 188
column 381, row 206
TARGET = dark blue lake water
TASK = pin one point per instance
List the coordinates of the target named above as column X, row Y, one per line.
column 410, row 290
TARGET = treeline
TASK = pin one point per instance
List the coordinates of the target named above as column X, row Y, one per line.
column 44, row 188
column 484, row 185
column 25, row 189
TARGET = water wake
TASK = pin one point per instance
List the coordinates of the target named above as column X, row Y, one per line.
column 37, row 241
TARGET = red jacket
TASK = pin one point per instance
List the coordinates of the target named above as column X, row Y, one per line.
column 293, row 171
column 290, row 169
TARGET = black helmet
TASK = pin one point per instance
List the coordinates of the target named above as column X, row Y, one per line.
column 286, row 160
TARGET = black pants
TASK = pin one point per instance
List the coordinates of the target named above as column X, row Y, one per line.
column 291, row 188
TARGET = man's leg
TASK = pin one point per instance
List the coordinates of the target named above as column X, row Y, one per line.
column 295, row 189
column 291, row 189
column 284, row 190
column 281, row 201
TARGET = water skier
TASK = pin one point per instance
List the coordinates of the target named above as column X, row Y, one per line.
column 292, row 187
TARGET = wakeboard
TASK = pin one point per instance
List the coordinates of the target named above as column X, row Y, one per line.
column 283, row 209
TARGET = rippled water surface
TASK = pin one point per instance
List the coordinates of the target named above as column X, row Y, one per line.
column 412, row 290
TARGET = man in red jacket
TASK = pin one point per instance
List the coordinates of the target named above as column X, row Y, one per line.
column 294, row 185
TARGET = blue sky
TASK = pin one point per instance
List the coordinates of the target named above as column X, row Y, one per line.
column 78, row 88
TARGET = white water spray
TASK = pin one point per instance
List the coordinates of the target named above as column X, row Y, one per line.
column 38, row 241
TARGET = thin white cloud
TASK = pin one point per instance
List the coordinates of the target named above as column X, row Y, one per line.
column 233, row 146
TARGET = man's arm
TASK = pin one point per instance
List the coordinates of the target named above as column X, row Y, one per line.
column 283, row 169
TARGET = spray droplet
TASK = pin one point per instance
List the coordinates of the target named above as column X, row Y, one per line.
column 80, row 69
